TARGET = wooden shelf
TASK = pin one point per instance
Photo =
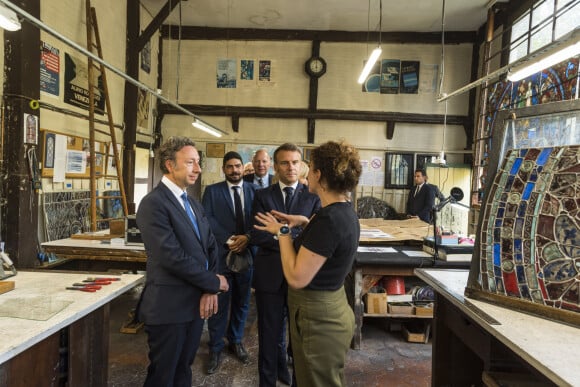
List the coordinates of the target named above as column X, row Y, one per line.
column 391, row 315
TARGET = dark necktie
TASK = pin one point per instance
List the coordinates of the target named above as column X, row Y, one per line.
column 417, row 190
column 289, row 192
column 260, row 182
column 190, row 214
column 238, row 210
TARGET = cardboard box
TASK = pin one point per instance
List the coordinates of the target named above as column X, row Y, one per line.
column 413, row 333
column 422, row 310
column 376, row 303
column 452, row 239
column 402, row 308
column 117, row 227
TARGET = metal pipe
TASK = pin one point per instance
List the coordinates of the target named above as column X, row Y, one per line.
column 38, row 23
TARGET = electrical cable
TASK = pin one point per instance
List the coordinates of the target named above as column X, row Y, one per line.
column 178, row 56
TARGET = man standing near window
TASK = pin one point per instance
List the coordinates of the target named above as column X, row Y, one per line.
column 421, row 198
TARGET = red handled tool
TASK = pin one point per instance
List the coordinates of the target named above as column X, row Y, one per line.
column 88, row 285
column 85, row 289
column 97, row 282
column 111, row 279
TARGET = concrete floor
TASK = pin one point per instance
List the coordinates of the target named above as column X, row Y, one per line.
column 385, row 358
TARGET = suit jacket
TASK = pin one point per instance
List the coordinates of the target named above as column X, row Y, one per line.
column 176, row 259
column 250, row 178
column 268, row 274
column 219, row 209
column 422, row 203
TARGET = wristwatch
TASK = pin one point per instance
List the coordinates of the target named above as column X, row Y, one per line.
column 284, row 230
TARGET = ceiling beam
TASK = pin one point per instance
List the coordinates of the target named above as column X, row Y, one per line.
column 209, row 33
column 320, row 114
column 155, row 24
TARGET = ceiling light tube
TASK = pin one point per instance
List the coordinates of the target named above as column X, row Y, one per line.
column 8, row 19
column 369, row 65
column 521, row 72
column 201, row 125
column 155, row 92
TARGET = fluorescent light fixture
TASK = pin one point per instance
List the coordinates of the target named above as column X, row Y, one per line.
column 369, row 65
column 201, row 125
column 546, row 61
column 8, row 19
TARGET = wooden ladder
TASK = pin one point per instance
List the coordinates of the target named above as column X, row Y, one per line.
column 94, row 46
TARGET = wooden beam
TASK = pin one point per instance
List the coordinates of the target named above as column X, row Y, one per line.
column 209, row 33
column 155, row 24
column 390, row 129
column 320, row 114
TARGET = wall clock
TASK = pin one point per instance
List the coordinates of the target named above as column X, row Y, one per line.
column 315, row 66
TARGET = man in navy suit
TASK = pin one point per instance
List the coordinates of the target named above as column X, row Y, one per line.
column 182, row 282
column 421, row 198
column 219, row 202
column 261, row 162
column 291, row 197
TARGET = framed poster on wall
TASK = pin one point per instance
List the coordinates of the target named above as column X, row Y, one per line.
column 398, row 170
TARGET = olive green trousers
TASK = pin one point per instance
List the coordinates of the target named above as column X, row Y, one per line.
column 321, row 330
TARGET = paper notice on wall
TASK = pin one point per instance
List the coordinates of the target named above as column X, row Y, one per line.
column 59, row 158
column 428, row 78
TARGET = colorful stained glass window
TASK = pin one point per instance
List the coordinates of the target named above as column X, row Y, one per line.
column 530, row 240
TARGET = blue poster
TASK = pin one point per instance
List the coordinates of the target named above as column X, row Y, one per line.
column 390, row 72
column 49, row 69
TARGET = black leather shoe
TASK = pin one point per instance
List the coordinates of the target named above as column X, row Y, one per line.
column 214, row 362
column 284, row 377
column 240, row 352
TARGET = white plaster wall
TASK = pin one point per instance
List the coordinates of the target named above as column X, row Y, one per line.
column 338, row 88
column 68, row 17
column 196, row 61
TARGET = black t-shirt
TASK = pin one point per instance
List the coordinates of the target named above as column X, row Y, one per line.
column 333, row 233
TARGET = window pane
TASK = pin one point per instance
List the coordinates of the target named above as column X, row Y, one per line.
column 519, row 51
column 568, row 21
column 542, row 11
column 520, row 27
column 562, row 3
column 519, row 43
column 541, row 38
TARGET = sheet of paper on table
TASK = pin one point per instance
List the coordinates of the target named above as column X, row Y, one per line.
column 372, row 233
column 416, row 253
column 377, row 249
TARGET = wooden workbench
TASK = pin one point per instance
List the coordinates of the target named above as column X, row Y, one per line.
column 54, row 336
column 471, row 337
column 95, row 255
column 378, row 264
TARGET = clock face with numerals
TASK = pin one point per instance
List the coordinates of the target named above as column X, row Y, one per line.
column 315, row 66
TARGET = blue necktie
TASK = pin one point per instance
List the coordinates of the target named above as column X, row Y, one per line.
column 289, row 192
column 190, row 214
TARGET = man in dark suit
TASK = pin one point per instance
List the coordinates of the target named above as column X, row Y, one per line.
column 181, row 283
column 232, row 234
column 261, row 162
column 291, row 197
column 421, row 198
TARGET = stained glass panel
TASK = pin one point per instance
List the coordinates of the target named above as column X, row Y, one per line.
column 530, row 246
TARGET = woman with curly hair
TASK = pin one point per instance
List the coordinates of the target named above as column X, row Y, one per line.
column 316, row 264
